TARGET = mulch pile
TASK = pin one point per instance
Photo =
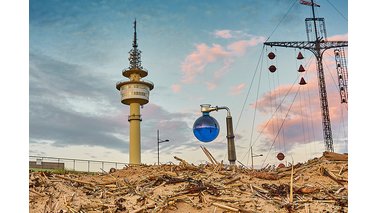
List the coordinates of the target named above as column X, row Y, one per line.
column 318, row 185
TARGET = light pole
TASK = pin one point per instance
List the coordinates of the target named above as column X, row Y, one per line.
column 159, row 142
column 253, row 156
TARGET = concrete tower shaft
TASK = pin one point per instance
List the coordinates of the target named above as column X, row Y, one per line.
column 135, row 92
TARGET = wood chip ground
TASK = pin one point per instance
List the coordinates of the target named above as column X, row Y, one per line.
column 319, row 185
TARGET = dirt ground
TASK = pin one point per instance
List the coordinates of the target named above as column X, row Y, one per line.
column 318, row 185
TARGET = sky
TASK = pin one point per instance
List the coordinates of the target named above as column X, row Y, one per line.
column 195, row 52
column 62, row 59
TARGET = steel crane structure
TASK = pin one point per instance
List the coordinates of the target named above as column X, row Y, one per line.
column 318, row 45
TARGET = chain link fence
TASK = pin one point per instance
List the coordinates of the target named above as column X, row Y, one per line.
column 39, row 162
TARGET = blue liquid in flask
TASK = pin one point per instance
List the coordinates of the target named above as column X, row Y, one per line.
column 206, row 128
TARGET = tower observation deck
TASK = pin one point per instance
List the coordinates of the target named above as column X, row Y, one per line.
column 135, row 92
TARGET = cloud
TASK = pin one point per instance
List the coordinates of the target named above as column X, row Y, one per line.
column 231, row 34
column 239, row 47
column 197, row 61
column 61, row 94
column 303, row 123
column 237, row 89
column 211, row 85
column 342, row 37
column 219, row 73
column 176, row 88
column 226, row 34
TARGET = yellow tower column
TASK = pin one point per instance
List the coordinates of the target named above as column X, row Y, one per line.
column 135, row 92
column 134, row 146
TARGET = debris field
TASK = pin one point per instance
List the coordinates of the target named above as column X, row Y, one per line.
column 318, row 185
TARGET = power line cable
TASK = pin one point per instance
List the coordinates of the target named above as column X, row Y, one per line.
column 292, row 5
column 262, row 50
column 274, row 141
column 337, row 10
column 271, row 118
column 249, row 89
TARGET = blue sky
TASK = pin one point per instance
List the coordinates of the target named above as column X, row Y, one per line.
column 196, row 52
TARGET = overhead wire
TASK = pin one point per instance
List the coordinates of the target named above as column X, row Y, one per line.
column 310, row 119
column 249, row 89
column 337, row 10
column 302, row 123
column 250, row 86
column 254, row 114
column 270, row 119
column 287, row 13
column 275, row 100
column 274, row 141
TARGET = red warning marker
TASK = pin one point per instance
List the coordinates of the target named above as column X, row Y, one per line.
column 271, row 55
column 280, row 156
column 300, row 56
column 301, row 68
column 302, row 82
column 272, row 68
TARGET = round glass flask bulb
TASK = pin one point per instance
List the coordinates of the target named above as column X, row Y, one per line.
column 206, row 128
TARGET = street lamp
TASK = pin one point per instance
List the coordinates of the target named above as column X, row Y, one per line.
column 159, row 142
column 206, row 129
column 253, row 156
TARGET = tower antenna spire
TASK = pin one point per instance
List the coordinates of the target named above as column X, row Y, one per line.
column 135, row 53
column 135, row 44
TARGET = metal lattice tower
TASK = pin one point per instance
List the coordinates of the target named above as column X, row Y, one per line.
column 342, row 74
column 318, row 45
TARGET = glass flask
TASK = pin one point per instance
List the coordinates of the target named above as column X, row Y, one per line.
column 206, row 128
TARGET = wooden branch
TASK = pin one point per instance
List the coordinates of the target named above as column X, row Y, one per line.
column 108, row 183
column 306, row 190
column 148, row 206
column 35, row 192
column 186, row 164
column 181, row 160
column 207, row 154
column 307, row 208
column 323, row 171
column 211, row 156
column 230, row 208
column 267, row 175
column 340, row 190
column 226, row 207
column 260, row 189
column 232, row 180
column 343, row 169
column 75, row 180
column 332, row 156
column 291, row 183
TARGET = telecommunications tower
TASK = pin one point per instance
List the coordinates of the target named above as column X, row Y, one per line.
column 135, row 92
column 317, row 45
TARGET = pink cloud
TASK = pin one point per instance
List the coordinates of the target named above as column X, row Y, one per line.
column 176, row 88
column 237, row 89
column 223, row 34
column 305, row 113
column 240, row 47
column 211, row 85
column 343, row 37
column 224, row 69
column 196, row 62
